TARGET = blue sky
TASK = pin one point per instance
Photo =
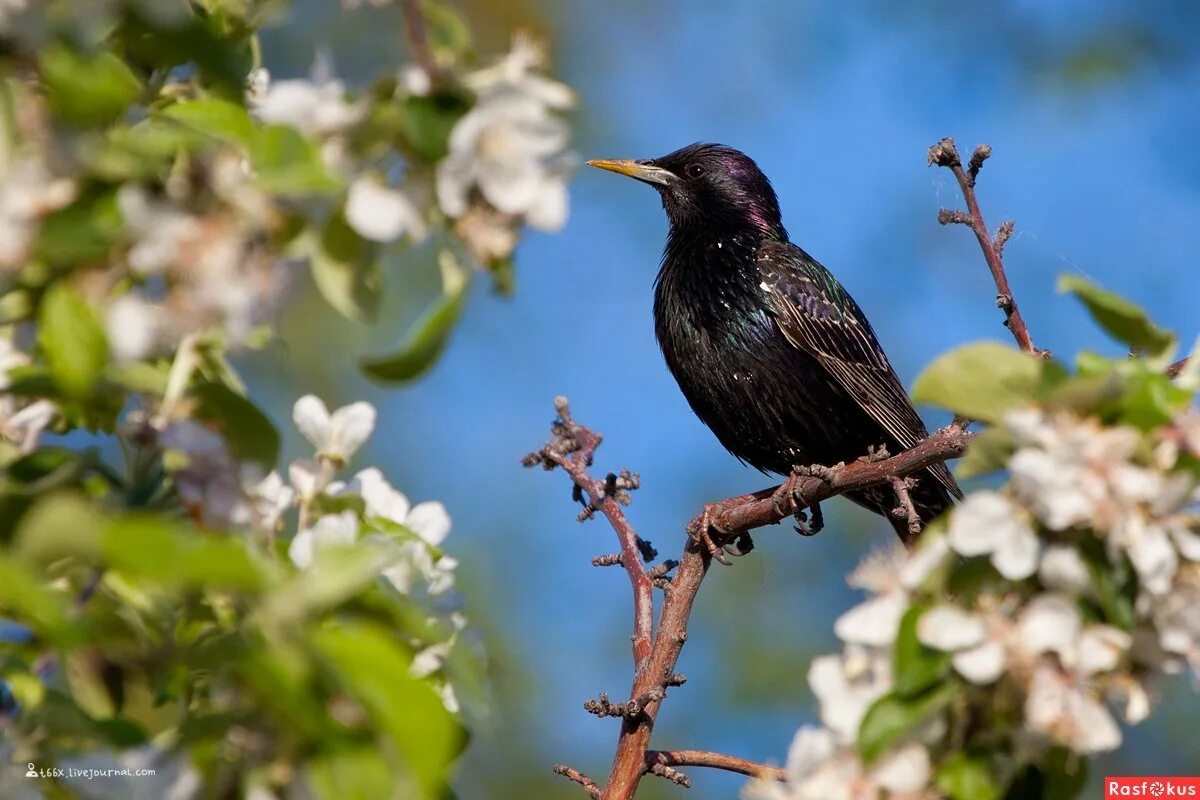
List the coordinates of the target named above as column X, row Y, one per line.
column 838, row 104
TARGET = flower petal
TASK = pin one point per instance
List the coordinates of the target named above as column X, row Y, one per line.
column 430, row 521
column 948, row 628
column 352, row 425
column 980, row 665
column 312, row 420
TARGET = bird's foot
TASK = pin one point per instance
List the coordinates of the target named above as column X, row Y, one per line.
column 809, row 524
column 788, row 495
column 875, row 453
column 702, row 537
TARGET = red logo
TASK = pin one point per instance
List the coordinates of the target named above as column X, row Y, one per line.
column 1151, row 787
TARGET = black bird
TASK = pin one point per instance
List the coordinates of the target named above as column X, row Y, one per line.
column 771, row 352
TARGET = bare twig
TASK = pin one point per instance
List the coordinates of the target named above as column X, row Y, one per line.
column 655, row 656
column 945, row 154
column 572, row 449
column 573, row 774
column 748, row 511
column 418, row 38
column 703, row 758
column 906, row 510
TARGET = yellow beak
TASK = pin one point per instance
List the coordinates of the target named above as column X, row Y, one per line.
column 639, row 170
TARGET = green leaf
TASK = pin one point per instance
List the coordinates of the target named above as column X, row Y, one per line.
column 426, row 123
column 892, row 716
column 962, row 777
column 289, row 164
column 448, row 33
column 140, row 376
column 358, row 772
column 345, row 269
column 140, row 152
column 84, row 231
column 988, row 452
column 980, row 380
column 338, row 574
column 220, row 119
column 60, row 525
column 423, row 344
column 375, row 669
column 26, row 599
column 1123, row 320
column 245, row 428
column 154, row 548
column 72, row 340
column 87, row 89
column 915, row 667
column 1061, row 775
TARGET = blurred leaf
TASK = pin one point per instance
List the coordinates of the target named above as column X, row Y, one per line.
column 289, row 164
column 448, row 33
column 60, row 524
column 25, row 598
column 358, row 772
column 427, row 121
column 988, row 452
column 87, row 89
column 962, row 777
column 423, row 344
column 72, row 340
column 139, row 152
column 345, row 269
column 1060, row 775
column 223, row 58
column 249, row 433
column 336, row 575
column 82, row 232
column 220, row 119
column 1123, row 320
column 154, row 548
column 980, row 380
column 891, row 716
column 1152, row 400
column 140, row 376
column 916, row 667
column 375, row 669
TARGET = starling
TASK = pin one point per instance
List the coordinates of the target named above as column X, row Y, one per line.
column 771, row 352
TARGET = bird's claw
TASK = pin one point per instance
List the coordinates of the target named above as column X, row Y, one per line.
column 788, row 495
column 702, row 538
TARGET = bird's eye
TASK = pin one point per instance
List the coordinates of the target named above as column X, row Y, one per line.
column 693, row 170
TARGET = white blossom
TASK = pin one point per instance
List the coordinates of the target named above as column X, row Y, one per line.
column 336, row 436
column 316, row 107
column 1062, row 569
column 946, row 627
column 846, row 686
column 380, row 213
column 989, row 523
column 510, row 145
column 134, row 327
column 1069, row 714
column 331, row 530
column 28, row 192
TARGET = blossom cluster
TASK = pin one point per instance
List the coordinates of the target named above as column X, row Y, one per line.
column 1034, row 618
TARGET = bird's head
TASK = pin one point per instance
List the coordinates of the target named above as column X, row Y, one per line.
column 708, row 186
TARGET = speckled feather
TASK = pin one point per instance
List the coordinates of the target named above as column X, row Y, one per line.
column 771, row 352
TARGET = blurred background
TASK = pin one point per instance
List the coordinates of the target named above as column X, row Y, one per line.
column 1093, row 110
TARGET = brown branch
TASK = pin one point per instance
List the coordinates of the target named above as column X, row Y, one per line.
column 655, row 656
column 945, row 154
column 573, row 774
column 418, row 38
column 906, row 511
column 703, row 758
column 748, row 511
column 1175, row 369
column 573, row 449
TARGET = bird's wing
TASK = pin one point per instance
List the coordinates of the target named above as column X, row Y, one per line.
column 816, row 314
